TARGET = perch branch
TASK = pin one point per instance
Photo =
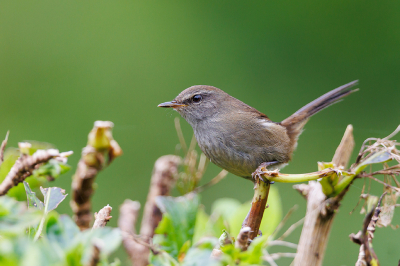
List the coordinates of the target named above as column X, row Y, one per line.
column 26, row 164
column 261, row 189
column 102, row 217
column 100, row 145
column 258, row 205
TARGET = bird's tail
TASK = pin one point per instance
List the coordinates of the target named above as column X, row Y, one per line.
column 295, row 123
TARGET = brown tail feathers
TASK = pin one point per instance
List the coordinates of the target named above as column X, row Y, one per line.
column 295, row 123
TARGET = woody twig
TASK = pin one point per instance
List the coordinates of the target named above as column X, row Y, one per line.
column 94, row 158
column 102, row 217
column 26, row 164
column 163, row 178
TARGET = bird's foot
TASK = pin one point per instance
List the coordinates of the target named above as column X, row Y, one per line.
column 262, row 169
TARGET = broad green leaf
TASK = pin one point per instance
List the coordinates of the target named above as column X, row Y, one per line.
column 378, row 157
column 56, row 194
column 178, row 223
column 10, row 156
column 162, row 259
column 52, row 168
column 199, row 257
column 15, row 217
column 201, row 223
column 253, row 255
column 73, row 256
column 225, row 207
column 272, row 215
column 184, row 249
column 209, row 225
column 33, row 201
column 60, row 230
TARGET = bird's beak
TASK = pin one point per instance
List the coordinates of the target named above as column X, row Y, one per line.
column 171, row 104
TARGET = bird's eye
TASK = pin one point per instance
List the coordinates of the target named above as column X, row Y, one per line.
column 197, row 98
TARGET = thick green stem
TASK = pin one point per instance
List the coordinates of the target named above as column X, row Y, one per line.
column 296, row 178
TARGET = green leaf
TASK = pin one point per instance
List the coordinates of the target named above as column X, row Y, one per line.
column 225, row 207
column 199, row 257
column 74, row 255
column 33, row 201
column 378, row 157
column 52, row 168
column 108, row 238
column 56, row 194
column 200, row 229
column 15, row 218
column 272, row 215
column 162, row 259
column 178, row 223
column 184, row 249
column 253, row 255
column 61, row 230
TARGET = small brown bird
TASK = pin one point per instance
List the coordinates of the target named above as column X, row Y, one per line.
column 239, row 138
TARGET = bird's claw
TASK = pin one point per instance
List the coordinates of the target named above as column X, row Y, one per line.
column 263, row 169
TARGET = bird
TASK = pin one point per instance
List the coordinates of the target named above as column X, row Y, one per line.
column 238, row 137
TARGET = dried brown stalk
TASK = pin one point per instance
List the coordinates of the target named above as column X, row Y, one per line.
column 26, row 164
column 102, row 217
column 129, row 213
column 320, row 212
column 100, row 145
column 163, row 178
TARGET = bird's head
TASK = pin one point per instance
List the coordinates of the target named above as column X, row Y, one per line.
column 197, row 103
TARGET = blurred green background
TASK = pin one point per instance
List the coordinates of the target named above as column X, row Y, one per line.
column 65, row 64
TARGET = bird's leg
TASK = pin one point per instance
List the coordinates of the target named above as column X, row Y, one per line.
column 261, row 170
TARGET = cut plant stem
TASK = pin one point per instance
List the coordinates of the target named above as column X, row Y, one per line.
column 253, row 219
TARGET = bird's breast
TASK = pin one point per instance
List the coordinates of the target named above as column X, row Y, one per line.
column 241, row 147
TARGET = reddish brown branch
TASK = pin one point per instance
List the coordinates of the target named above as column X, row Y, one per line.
column 258, row 205
column 100, row 145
